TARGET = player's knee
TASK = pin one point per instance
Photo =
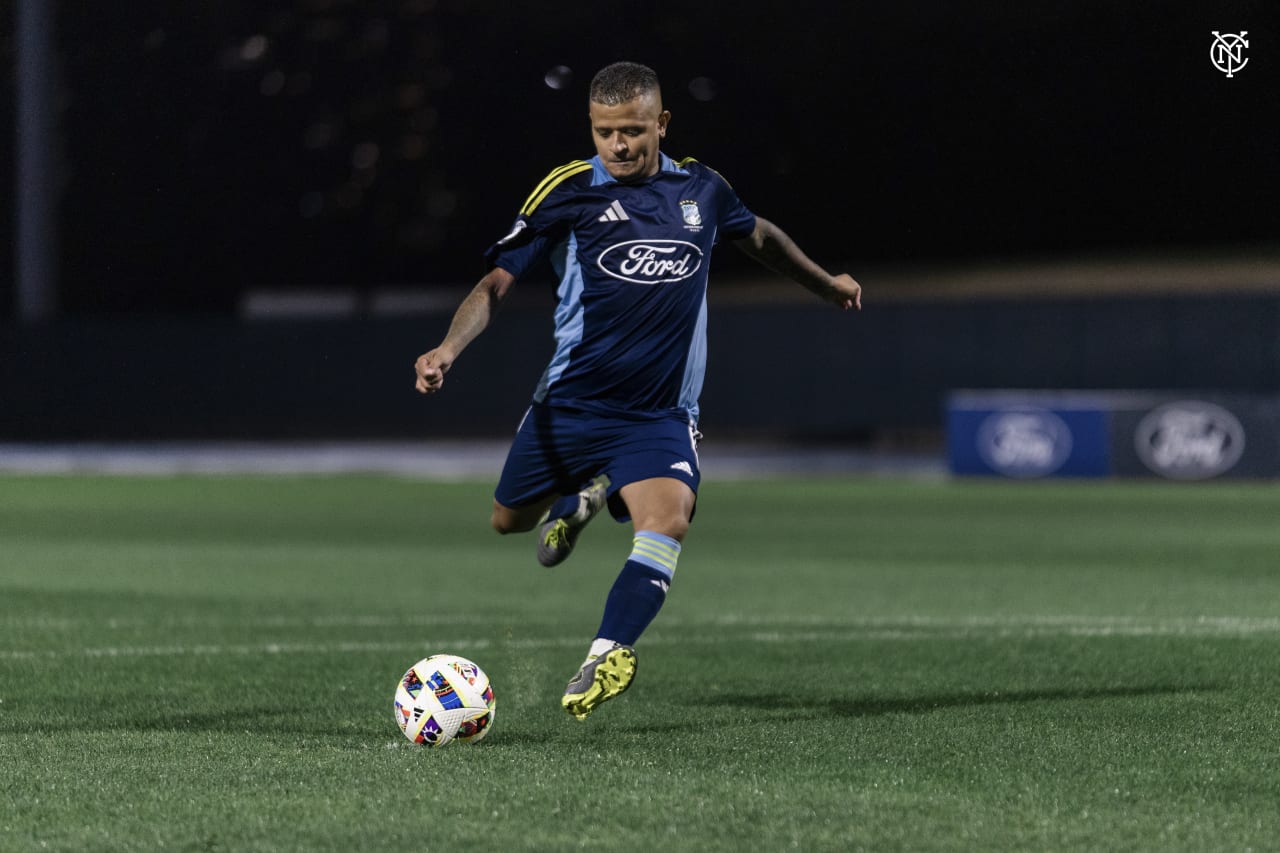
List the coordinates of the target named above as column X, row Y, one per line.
column 507, row 520
column 675, row 525
column 503, row 520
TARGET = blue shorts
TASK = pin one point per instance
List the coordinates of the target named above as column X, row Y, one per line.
column 557, row 451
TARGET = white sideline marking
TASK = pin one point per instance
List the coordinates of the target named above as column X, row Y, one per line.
column 245, row 650
column 783, row 631
column 1087, row 625
column 434, row 460
column 1061, row 621
column 332, row 621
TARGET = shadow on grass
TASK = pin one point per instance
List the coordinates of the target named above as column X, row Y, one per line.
column 270, row 720
column 872, row 707
column 362, row 727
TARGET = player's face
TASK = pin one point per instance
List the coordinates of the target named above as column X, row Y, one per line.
column 627, row 135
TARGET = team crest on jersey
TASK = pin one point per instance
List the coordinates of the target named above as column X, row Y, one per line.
column 689, row 210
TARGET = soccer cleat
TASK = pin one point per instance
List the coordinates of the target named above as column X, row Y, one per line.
column 557, row 537
column 600, row 679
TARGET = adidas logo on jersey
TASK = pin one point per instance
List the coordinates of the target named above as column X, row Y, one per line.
column 683, row 466
column 613, row 213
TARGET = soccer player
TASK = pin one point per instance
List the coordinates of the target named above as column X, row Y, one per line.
column 614, row 418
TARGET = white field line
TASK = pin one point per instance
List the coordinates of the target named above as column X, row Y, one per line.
column 255, row 650
column 782, row 631
column 1052, row 623
column 438, row 460
column 43, row 622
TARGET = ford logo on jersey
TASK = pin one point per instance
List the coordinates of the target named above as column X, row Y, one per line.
column 651, row 261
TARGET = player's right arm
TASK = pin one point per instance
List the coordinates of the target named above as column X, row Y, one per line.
column 543, row 220
column 472, row 317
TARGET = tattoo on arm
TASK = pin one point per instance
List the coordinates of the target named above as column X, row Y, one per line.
column 475, row 313
column 772, row 247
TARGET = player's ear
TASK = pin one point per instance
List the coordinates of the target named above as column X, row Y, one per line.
column 663, row 118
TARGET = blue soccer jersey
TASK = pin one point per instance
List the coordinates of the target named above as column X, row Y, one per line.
column 632, row 260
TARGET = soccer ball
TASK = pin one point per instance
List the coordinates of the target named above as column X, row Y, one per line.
column 444, row 698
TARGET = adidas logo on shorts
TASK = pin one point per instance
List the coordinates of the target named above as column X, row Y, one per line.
column 683, row 466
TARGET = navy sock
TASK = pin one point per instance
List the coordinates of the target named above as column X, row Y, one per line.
column 565, row 506
column 641, row 588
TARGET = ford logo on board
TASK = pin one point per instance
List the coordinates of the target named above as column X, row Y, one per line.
column 1024, row 443
column 651, row 261
column 1189, row 440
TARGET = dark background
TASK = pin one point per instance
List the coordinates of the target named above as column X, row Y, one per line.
column 209, row 150
column 213, row 147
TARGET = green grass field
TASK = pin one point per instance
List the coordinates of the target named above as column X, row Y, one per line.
column 208, row 664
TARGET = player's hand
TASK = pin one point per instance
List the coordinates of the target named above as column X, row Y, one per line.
column 846, row 292
column 431, row 368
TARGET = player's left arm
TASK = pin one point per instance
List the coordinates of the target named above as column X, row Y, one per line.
column 771, row 246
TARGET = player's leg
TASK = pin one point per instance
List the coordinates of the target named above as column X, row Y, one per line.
column 657, row 479
column 519, row 519
column 660, row 510
column 559, row 526
column 539, row 468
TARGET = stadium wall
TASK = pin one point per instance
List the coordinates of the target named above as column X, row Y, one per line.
column 792, row 371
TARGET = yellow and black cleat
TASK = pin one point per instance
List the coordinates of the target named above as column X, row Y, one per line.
column 599, row 680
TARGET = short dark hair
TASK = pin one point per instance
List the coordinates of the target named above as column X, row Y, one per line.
column 620, row 82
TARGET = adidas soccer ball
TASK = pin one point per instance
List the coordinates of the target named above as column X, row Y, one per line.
column 444, row 698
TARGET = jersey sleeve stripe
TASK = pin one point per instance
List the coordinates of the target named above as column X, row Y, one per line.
column 555, row 173
column 550, row 182
column 687, row 160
